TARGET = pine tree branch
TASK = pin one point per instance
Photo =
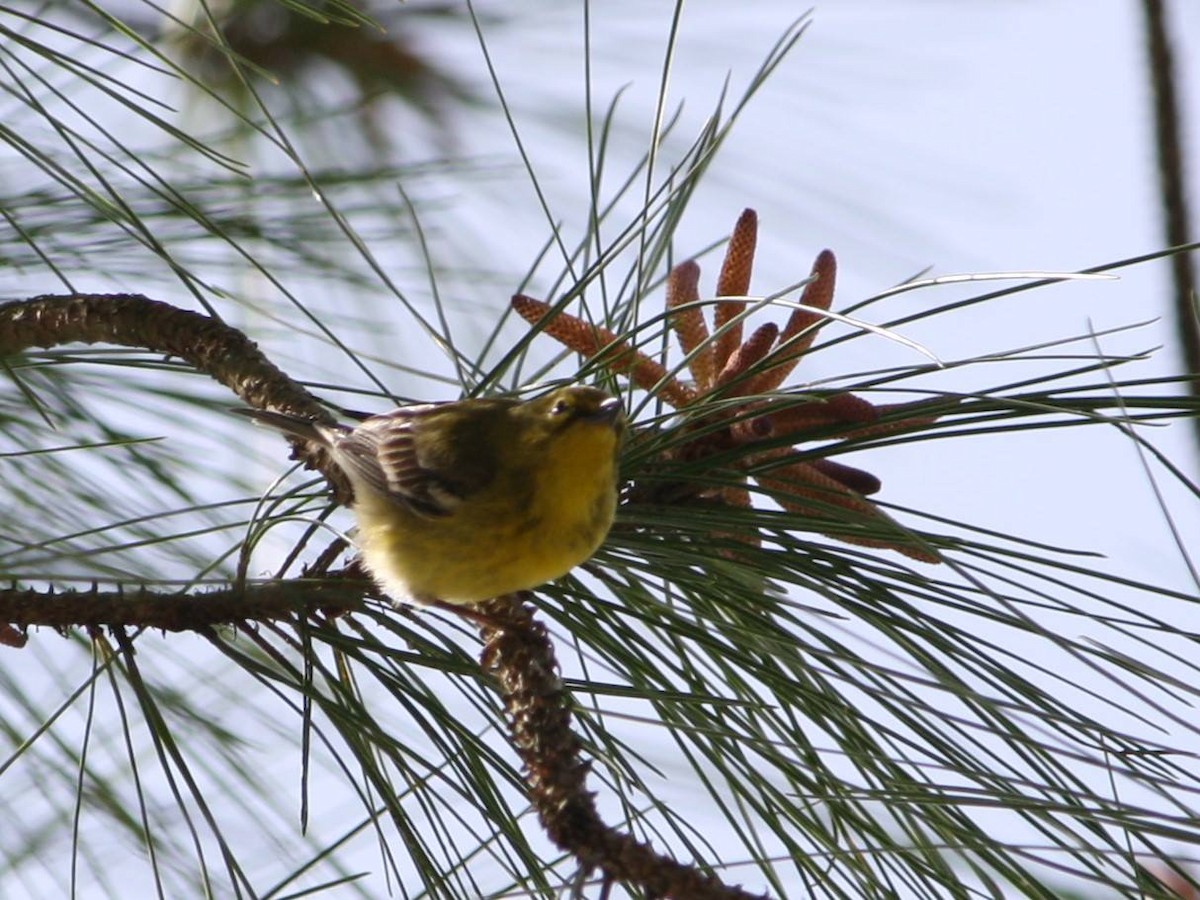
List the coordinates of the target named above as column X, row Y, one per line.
column 133, row 320
column 180, row 610
column 518, row 650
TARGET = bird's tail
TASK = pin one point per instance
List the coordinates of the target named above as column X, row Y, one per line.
column 302, row 427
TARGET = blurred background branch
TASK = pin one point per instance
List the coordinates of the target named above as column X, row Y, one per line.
column 1169, row 132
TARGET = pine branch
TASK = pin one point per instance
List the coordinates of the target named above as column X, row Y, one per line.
column 133, row 320
column 181, row 610
column 518, row 650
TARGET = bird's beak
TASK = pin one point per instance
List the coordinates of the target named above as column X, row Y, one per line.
column 609, row 412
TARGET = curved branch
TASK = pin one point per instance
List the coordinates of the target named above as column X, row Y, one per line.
column 518, row 651
column 133, row 320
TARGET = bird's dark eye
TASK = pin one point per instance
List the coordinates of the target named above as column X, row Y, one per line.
column 561, row 408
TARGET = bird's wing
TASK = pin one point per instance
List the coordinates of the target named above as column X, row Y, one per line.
column 384, row 452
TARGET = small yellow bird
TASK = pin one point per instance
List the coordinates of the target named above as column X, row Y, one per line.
column 464, row 501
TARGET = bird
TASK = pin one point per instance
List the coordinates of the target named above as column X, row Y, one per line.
column 462, row 501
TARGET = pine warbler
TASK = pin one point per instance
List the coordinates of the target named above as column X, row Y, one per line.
column 464, row 501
